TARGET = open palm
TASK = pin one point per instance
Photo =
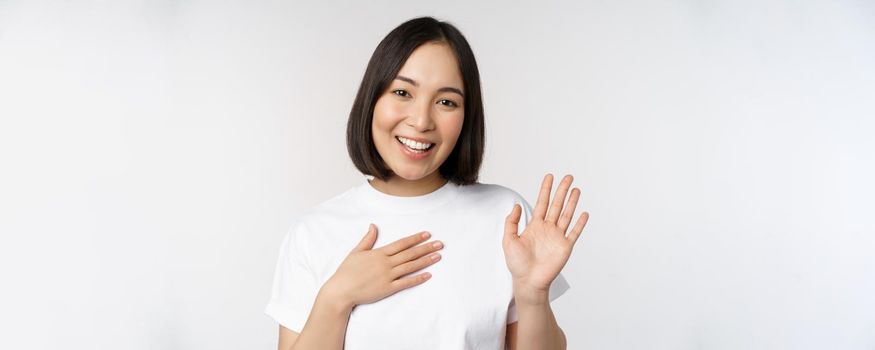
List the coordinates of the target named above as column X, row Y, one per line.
column 537, row 256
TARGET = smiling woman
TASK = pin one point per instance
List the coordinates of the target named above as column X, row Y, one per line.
column 422, row 84
column 416, row 127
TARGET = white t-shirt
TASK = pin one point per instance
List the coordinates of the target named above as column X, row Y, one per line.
column 466, row 304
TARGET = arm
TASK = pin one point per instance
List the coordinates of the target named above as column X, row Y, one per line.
column 325, row 327
column 535, row 258
column 537, row 327
column 287, row 337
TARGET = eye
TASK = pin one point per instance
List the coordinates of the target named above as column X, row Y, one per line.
column 400, row 92
column 448, row 103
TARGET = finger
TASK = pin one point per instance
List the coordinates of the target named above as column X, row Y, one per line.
column 415, row 252
column 559, row 199
column 578, row 227
column 568, row 213
column 407, row 282
column 415, row 265
column 404, row 243
column 368, row 240
column 511, row 222
column 543, row 197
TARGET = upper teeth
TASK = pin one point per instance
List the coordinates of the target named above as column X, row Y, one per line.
column 413, row 144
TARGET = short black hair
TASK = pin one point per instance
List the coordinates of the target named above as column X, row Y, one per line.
column 462, row 166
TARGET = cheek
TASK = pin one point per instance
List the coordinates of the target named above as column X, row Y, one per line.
column 453, row 126
column 386, row 114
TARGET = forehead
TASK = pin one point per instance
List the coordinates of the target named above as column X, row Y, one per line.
column 433, row 64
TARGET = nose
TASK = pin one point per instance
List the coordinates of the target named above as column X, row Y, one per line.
column 419, row 116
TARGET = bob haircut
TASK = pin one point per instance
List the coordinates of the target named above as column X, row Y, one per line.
column 462, row 166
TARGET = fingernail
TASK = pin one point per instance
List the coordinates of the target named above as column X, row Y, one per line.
column 437, row 244
column 426, row 235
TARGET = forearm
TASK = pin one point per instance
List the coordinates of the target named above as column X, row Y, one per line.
column 537, row 327
column 326, row 326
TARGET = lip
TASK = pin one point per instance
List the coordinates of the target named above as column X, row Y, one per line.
column 410, row 154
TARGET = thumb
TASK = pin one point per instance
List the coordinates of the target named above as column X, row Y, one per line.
column 368, row 240
column 511, row 223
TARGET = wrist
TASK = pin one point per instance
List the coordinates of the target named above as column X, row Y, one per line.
column 525, row 294
column 335, row 301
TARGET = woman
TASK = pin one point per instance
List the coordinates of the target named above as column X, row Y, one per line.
column 417, row 128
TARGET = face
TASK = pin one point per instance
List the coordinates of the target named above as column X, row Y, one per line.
column 423, row 103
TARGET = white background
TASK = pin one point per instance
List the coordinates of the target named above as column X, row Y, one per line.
column 153, row 154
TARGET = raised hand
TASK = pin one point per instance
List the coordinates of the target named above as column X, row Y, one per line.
column 536, row 257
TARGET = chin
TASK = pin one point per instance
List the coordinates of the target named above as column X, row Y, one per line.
column 411, row 175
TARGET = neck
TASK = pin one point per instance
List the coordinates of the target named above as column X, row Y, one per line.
column 399, row 186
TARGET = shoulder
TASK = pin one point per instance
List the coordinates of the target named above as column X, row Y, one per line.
column 493, row 193
column 324, row 212
column 496, row 201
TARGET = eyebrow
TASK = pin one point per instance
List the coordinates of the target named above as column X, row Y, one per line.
column 443, row 89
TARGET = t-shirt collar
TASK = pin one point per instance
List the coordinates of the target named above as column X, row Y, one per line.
column 375, row 199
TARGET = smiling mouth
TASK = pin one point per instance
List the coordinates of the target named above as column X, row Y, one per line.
column 415, row 150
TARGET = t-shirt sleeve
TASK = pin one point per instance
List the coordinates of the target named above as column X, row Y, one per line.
column 294, row 285
column 559, row 285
